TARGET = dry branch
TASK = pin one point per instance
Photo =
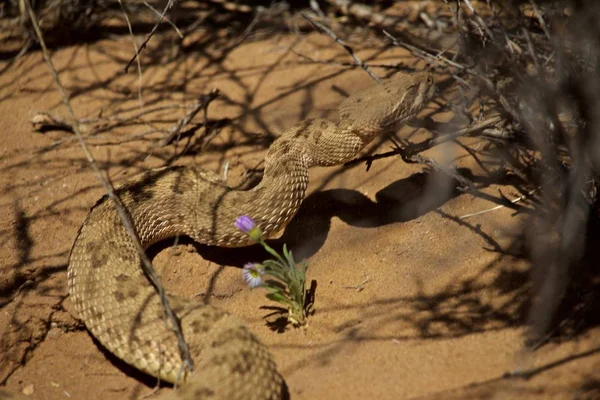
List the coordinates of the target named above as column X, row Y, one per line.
column 202, row 105
column 146, row 264
column 149, row 36
column 342, row 43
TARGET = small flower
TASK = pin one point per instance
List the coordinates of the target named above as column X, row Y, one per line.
column 248, row 226
column 245, row 223
column 253, row 274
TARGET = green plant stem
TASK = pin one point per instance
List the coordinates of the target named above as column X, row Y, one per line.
column 270, row 250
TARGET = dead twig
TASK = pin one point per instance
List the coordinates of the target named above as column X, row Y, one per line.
column 167, row 20
column 149, row 36
column 358, row 287
column 187, row 362
column 44, row 121
column 135, row 47
column 514, row 201
column 342, row 64
column 413, row 149
column 367, row 13
column 339, row 41
column 202, row 105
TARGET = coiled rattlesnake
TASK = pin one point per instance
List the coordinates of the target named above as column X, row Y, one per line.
column 120, row 307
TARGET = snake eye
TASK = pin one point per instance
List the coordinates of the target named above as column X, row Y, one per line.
column 429, row 79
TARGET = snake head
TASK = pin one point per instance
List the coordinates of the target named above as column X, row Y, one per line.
column 410, row 93
column 378, row 108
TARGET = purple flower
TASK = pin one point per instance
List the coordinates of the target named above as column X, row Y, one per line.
column 248, row 226
column 253, row 274
column 245, row 223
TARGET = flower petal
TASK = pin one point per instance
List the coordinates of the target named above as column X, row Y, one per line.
column 245, row 224
column 252, row 274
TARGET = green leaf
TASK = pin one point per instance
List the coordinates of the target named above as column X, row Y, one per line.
column 290, row 260
column 275, row 272
column 274, row 289
column 285, row 250
column 277, row 297
column 280, row 298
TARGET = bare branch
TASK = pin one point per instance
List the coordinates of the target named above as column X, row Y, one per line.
column 202, row 104
column 123, row 213
column 149, row 36
column 413, row 149
column 346, row 47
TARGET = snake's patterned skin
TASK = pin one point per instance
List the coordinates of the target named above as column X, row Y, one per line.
column 122, row 310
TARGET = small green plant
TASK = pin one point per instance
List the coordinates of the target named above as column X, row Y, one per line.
column 288, row 284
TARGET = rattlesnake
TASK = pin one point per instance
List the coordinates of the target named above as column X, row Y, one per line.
column 121, row 308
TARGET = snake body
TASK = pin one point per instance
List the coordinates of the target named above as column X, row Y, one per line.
column 121, row 309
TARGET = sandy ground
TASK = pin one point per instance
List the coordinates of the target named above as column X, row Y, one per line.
column 411, row 300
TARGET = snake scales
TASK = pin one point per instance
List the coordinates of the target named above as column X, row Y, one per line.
column 120, row 307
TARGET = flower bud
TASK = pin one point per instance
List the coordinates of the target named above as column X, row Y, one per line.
column 247, row 225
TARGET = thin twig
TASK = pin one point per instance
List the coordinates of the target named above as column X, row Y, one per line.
column 149, row 36
column 123, row 213
column 135, row 47
column 358, row 287
column 346, row 47
column 532, row 53
column 444, row 62
column 514, row 201
column 42, row 121
column 167, row 20
column 412, row 149
column 367, row 13
column 465, row 184
column 423, row 54
column 341, row 64
column 202, row 104
column 259, row 12
column 481, row 23
column 540, row 18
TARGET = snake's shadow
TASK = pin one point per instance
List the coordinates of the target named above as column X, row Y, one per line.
column 401, row 201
